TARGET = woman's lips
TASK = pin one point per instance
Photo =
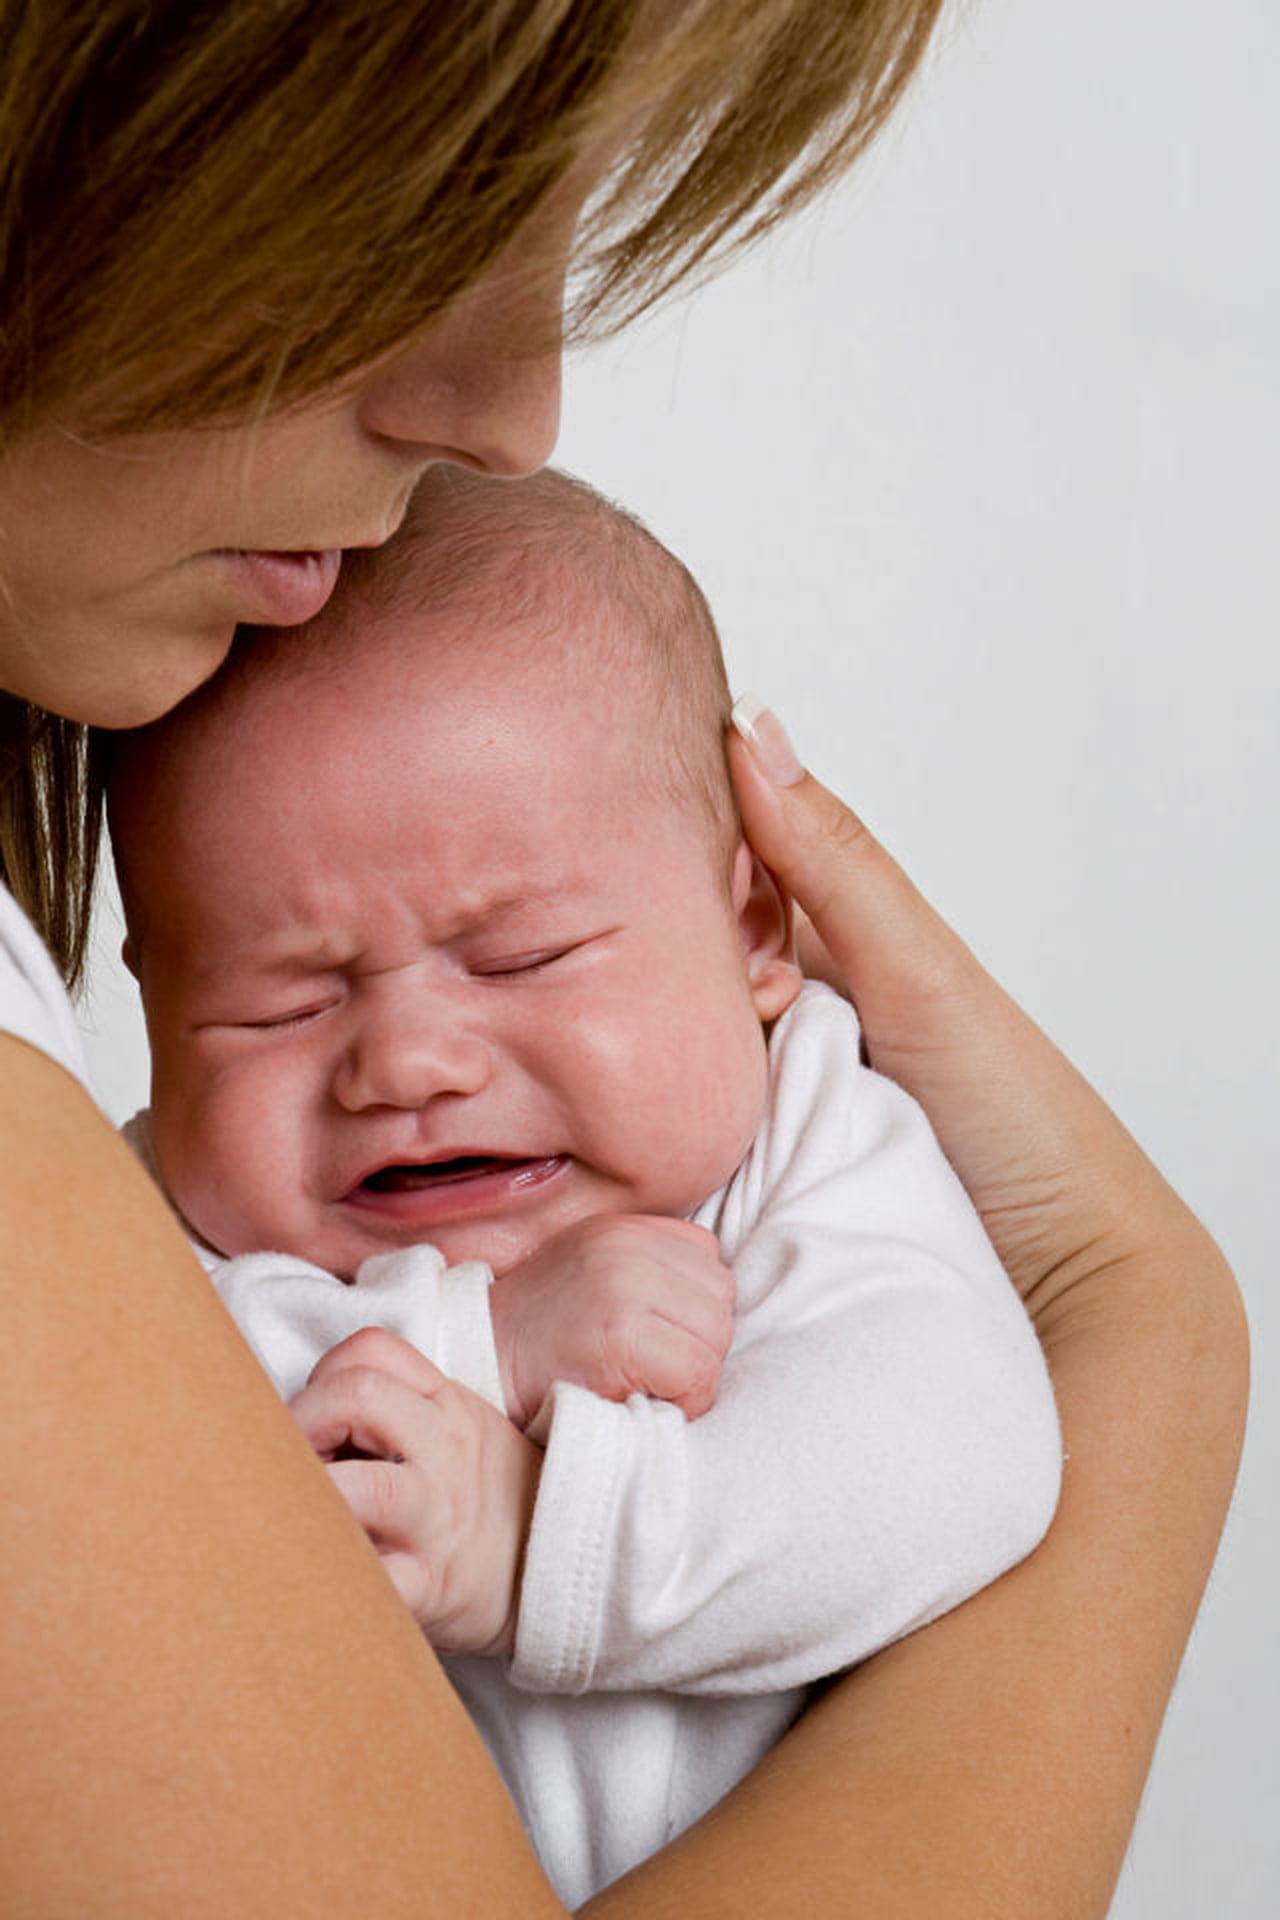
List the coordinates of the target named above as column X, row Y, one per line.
column 465, row 1187
column 281, row 589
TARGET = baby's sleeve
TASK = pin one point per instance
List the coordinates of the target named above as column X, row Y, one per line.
column 885, row 1440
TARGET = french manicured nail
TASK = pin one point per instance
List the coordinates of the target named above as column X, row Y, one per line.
column 767, row 738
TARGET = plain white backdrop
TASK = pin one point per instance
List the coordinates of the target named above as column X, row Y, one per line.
column 978, row 466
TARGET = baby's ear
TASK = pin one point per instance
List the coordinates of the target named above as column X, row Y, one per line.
column 764, row 919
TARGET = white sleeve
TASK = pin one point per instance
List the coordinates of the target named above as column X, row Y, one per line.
column 291, row 1312
column 884, row 1443
column 34, row 1005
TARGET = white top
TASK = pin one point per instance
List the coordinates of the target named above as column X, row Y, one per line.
column 884, row 1444
column 34, row 1004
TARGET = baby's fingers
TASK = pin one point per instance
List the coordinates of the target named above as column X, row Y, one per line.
column 387, row 1501
column 668, row 1362
column 417, row 1585
column 374, row 1347
column 362, row 1409
column 386, row 1497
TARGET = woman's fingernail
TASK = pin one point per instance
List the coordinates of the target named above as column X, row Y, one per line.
column 767, row 738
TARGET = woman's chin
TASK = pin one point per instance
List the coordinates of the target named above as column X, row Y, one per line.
column 157, row 686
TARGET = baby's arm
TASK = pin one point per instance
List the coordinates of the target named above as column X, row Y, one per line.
column 445, row 1485
column 884, row 1442
column 626, row 1304
column 293, row 1313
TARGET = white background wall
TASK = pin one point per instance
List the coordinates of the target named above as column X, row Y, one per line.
column 978, row 465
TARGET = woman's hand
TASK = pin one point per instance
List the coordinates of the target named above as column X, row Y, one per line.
column 1062, row 1188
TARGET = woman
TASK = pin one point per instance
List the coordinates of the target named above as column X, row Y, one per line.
column 261, row 266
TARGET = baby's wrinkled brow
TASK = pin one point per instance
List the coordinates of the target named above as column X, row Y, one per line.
column 319, row 949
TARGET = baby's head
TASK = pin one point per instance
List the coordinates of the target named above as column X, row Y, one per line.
column 442, row 917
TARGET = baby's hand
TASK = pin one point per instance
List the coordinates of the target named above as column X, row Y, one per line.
column 621, row 1304
column 442, row 1484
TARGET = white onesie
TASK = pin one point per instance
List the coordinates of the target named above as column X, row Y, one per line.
column 884, row 1443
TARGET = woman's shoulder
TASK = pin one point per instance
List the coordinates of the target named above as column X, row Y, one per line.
column 34, row 1004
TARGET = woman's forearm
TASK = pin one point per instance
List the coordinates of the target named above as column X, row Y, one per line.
column 992, row 1765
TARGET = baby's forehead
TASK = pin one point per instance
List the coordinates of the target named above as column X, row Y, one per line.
column 568, row 650
column 523, row 637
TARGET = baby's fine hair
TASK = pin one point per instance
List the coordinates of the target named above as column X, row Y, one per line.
column 550, row 550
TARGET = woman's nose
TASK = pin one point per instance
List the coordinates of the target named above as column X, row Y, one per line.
column 409, row 1062
column 481, row 385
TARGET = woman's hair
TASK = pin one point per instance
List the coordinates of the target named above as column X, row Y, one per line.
column 206, row 212
column 51, row 786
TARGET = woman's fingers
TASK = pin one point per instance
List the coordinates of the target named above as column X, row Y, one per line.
column 1059, row 1183
column 932, row 1019
column 889, row 947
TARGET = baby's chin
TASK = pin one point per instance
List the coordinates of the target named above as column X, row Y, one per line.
column 233, row 1236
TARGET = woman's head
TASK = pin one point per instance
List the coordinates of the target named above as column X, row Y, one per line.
column 263, row 262
column 206, row 208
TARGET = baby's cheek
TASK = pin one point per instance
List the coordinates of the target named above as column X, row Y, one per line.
column 219, row 1150
column 704, row 1095
column 721, row 1131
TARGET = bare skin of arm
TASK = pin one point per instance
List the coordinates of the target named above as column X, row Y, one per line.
column 215, row 1703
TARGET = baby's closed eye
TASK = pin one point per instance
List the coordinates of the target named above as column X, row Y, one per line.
column 533, row 959
column 263, row 1014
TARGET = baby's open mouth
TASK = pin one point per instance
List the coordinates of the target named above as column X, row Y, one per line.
column 419, row 1195
column 410, row 1178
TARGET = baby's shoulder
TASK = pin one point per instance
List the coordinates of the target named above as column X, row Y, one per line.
column 815, row 1046
column 815, row 1085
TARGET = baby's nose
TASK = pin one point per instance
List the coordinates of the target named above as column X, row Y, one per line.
column 400, row 1063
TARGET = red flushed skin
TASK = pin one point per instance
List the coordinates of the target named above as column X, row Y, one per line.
column 420, row 904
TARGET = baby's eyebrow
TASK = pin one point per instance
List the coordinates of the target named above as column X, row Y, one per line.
column 277, row 953
column 306, row 950
column 507, row 902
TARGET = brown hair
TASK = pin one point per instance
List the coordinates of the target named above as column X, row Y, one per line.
column 206, row 211
column 51, row 785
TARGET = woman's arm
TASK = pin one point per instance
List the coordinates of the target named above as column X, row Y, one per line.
column 213, row 1703
column 992, row 1765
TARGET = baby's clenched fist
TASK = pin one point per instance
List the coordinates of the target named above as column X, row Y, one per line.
column 621, row 1304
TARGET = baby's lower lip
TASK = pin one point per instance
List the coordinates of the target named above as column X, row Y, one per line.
column 280, row 589
column 427, row 1195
